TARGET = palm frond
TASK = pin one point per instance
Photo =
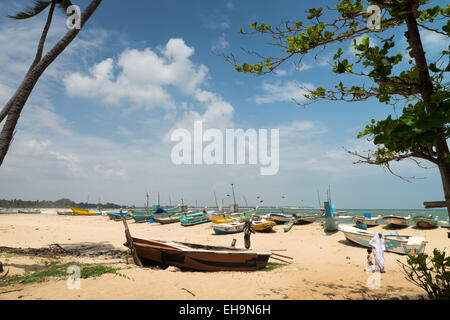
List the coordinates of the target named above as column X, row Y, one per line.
column 64, row 4
column 32, row 10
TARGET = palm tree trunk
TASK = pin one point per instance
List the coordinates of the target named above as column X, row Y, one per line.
column 22, row 94
column 37, row 58
column 427, row 91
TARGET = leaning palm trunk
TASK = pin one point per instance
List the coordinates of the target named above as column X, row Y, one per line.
column 17, row 102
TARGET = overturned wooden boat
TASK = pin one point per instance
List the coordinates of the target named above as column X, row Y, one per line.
column 396, row 221
column 392, row 241
column 228, row 227
column 199, row 257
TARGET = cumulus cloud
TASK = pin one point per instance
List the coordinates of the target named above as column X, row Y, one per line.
column 141, row 76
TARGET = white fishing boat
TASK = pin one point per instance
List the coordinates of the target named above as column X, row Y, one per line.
column 367, row 220
column 392, row 241
column 397, row 221
column 228, row 227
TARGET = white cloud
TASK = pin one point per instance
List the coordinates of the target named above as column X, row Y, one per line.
column 281, row 91
column 142, row 78
column 434, row 42
column 220, row 43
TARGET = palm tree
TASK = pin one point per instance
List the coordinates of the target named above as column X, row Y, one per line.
column 11, row 111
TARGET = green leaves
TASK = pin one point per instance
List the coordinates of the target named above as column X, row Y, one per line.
column 31, row 11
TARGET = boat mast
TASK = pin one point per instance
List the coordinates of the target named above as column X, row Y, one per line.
column 215, row 198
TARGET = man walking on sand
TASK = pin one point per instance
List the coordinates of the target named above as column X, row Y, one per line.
column 378, row 247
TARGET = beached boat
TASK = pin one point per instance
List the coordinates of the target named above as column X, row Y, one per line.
column 29, row 211
column 167, row 220
column 367, row 219
column 392, row 241
column 194, row 219
column 263, row 225
column 116, row 216
column 426, row 222
column 217, row 219
column 243, row 216
column 200, row 257
column 229, row 227
column 278, row 218
column 141, row 217
column 64, row 213
column 396, row 221
column 304, row 218
column 82, row 212
column 288, row 225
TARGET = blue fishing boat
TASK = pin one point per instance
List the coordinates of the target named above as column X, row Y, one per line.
column 193, row 219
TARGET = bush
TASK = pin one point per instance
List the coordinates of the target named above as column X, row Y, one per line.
column 429, row 273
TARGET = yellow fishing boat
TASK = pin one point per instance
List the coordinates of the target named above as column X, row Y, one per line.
column 82, row 212
column 263, row 225
column 216, row 219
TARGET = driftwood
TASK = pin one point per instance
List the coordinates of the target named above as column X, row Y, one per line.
column 129, row 243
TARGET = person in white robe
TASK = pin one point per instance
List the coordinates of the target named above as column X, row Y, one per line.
column 378, row 249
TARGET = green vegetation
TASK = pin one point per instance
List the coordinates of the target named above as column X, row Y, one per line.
column 430, row 274
column 272, row 266
column 61, row 203
column 59, row 271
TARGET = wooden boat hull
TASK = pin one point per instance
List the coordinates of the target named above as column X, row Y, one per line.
column 29, row 211
column 288, row 225
column 278, row 218
column 396, row 221
column 198, row 257
column 82, row 212
column 227, row 228
column 219, row 219
column 426, row 222
column 370, row 222
column 393, row 243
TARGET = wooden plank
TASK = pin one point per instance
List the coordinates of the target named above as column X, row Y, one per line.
column 130, row 243
column 434, row 204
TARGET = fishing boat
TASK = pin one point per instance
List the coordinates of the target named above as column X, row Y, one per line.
column 217, row 219
column 82, row 212
column 304, row 218
column 392, row 241
column 141, row 217
column 426, row 222
column 396, row 221
column 243, row 216
column 367, row 219
column 263, row 225
column 288, row 225
column 29, row 211
column 193, row 219
column 278, row 218
column 65, row 212
column 200, row 257
column 228, row 227
column 168, row 219
column 116, row 216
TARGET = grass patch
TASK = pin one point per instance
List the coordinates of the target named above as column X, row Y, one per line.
column 272, row 266
column 59, row 271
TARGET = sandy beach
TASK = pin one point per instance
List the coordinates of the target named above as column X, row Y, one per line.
column 325, row 266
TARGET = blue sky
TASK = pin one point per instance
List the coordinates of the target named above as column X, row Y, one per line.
column 98, row 122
